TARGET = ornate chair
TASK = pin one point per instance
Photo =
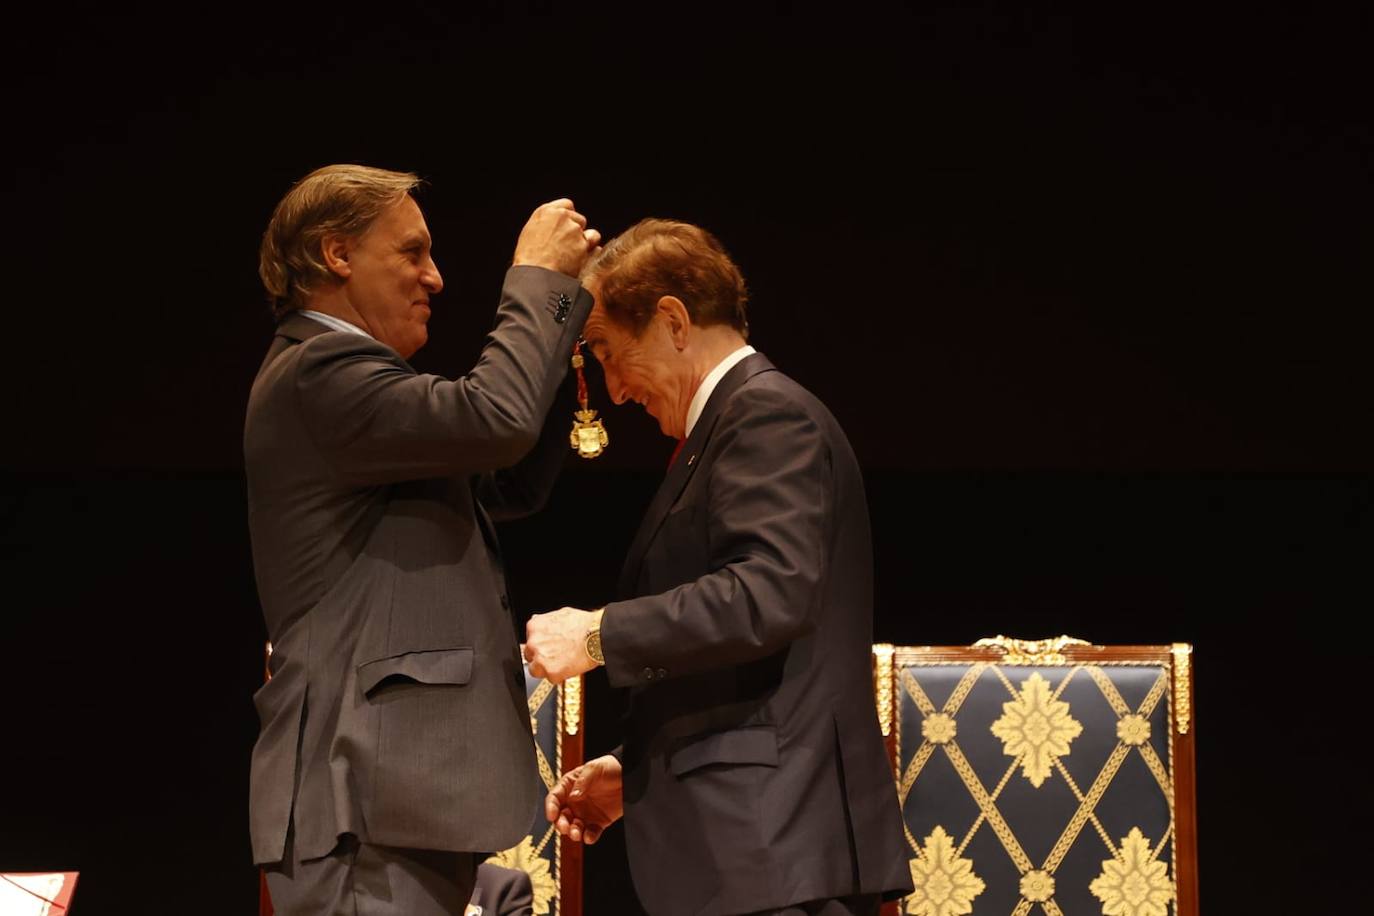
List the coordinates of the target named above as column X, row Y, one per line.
column 553, row 863
column 1050, row 777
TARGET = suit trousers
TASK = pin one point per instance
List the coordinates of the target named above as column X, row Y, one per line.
column 360, row 879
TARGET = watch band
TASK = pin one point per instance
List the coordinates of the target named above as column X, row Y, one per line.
column 593, row 643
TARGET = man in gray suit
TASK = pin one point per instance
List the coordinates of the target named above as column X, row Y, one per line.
column 395, row 747
column 753, row 777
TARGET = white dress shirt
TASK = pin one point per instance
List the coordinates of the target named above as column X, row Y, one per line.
column 709, row 383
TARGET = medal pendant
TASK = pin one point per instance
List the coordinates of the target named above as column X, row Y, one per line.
column 588, row 437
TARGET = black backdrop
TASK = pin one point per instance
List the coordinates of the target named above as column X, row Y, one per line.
column 1085, row 289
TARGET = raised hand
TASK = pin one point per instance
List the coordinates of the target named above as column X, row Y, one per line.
column 556, row 237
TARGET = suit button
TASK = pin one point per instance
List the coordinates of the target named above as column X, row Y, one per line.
column 647, row 674
column 662, row 673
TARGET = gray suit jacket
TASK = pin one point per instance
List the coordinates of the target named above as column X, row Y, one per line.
column 396, row 709
column 755, row 774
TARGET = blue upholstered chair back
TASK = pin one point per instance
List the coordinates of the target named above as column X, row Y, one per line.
column 1052, row 777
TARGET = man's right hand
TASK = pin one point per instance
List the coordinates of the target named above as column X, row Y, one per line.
column 556, row 237
column 586, row 800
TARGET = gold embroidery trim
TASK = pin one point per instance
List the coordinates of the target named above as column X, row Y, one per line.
column 1109, row 692
column 541, row 693
column 927, row 708
column 985, row 804
column 545, row 771
column 572, row 704
column 882, row 685
column 1183, row 686
column 563, row 711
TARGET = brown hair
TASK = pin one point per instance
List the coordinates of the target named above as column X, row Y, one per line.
column 334, row 200
column 660, row 257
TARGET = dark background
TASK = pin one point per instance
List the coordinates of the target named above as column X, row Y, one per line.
column 1087, row 290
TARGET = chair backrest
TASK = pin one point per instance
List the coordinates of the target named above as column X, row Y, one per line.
column 1049, row 777
column 553, row 863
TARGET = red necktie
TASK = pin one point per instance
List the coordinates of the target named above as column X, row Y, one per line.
column 676, row 449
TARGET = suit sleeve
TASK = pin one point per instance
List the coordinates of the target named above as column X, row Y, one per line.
column 522, row 489
column 517, row 896
column 502, row 891
column 768, row 507
column 376, row 421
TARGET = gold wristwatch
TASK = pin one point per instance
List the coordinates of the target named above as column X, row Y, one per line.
column 593, row 643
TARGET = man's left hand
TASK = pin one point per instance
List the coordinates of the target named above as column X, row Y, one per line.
column 556, row 643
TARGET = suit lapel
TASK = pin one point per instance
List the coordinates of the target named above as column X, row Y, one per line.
column 685, row 466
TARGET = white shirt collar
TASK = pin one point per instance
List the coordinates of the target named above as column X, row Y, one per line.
column 338, row 324
column 709, row 383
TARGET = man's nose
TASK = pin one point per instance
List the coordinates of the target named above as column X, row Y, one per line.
column 430, row 278
column 614, row 386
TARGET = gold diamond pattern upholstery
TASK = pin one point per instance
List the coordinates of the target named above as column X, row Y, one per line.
column 1052, row 777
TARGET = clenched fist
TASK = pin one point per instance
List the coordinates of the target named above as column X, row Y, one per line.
column 556, row 643
column 556, row 237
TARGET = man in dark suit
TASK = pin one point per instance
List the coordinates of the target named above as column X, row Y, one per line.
column 501, row 891
column 395, row 747
column 752, row 777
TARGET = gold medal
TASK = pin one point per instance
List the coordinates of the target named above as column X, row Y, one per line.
column 589, row 437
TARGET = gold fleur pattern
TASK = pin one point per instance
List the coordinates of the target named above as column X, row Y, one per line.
column 1037, row 886
column 524, row 858
column 945, row 883
column 939, row 729
column 1133, row 730
column 1134, row 883
column 1037, row 728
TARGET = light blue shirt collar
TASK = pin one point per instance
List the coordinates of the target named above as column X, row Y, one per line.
column 337, row 324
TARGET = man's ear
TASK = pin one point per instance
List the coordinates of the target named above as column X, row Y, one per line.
column 675, row 318
column 335, row 249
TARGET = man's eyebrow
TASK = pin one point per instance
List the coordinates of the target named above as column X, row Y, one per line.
column 418, row 238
